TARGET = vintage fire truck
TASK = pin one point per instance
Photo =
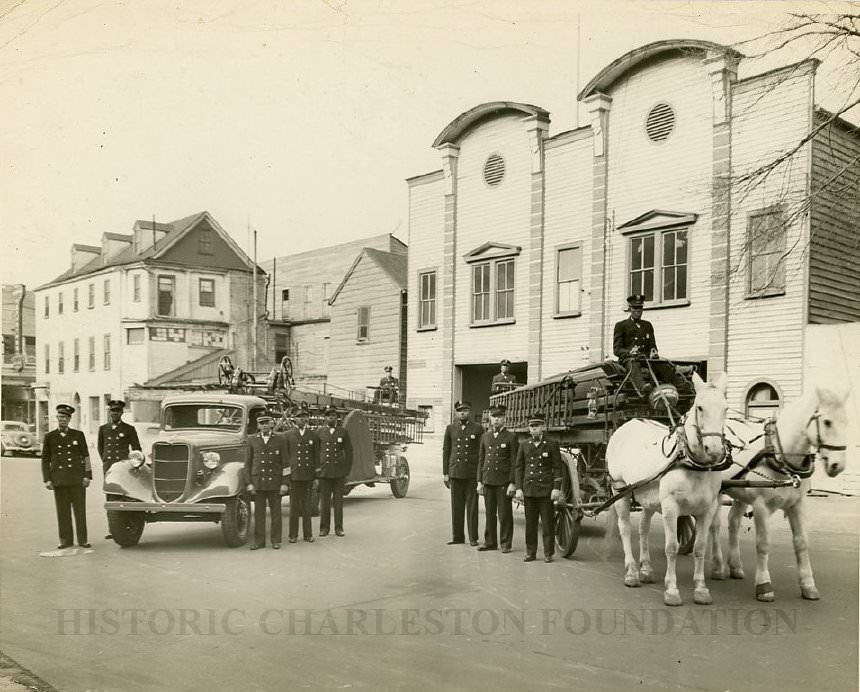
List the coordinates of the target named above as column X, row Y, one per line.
column 195, row 470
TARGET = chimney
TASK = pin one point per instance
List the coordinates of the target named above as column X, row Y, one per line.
column 144, row 235
column 113, row 244
column 82, row 255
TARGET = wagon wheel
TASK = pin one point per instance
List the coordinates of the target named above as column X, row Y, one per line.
column 686, row 535
column 400, row 484
column 568, row 519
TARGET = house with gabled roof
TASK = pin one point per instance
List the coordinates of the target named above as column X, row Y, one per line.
column 162, row 303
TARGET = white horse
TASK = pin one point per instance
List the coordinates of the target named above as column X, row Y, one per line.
column 777, row 452
column 641, row 449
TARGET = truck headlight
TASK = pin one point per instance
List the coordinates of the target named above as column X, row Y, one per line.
column 211, row 460
column 136, row 458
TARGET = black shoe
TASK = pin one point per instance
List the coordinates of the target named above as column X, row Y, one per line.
column 486, row 547
column 323, row 532
column 506, row 549
column 548, row 558
column 338, row 532
column 310, row 539
column 529, row 558
column 85, row 545
column 293, row 540
column 473, row 543
column 257, row 547
column 456, row 542
column 63, row 546
column 276, row 546
column 108, row 537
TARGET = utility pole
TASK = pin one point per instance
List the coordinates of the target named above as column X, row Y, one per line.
column 254, row 311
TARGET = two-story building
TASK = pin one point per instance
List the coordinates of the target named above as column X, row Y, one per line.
column 524, row 245
column 141, row 305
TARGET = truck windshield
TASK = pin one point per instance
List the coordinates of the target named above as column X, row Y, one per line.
column 219, row 416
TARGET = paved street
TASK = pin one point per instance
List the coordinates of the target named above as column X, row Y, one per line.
column 391, row 607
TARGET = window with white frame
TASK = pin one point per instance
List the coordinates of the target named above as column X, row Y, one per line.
column 47, row 359
column 762, row 401
column 107, row 292
column 658, row 265
column 362, row 324
column 207, row 293
column 493, row 291
column 76, row 356
column 135, row 336
column 91, row 296
column 568, row 280
column 426, row 300
column 92, row 362
column 766, row 252
column 75, row 300
column 166, row 290
column 61, row 361
column 60, row 303
column 107, row 352
column 47, row 312
column 135, row 288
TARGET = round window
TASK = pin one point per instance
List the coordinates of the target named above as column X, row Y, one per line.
column 494, row 169
column 660, row 122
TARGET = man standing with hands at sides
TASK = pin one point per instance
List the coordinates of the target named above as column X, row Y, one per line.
column 496, row 466
column 266, row 478
column 459, row 470
column 66, row 470
column 116, row 439
column 303, row 454
column 335, row 465
column 538, row 485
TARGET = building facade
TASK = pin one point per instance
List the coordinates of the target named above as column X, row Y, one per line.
column 524, row 245
column 142, row 305
column 19, row 354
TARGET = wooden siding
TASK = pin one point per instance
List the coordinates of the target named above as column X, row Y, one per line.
column 187, row 250
column 567, row 221
column 425, row 368
column 675, row 175
column 834, row 257
column 765, row 335
column 502, row 214
column 352, row 365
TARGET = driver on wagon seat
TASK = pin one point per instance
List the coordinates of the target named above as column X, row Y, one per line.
column 633, row 341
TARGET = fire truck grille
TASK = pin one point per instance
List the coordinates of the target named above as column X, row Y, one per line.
column 170, row 469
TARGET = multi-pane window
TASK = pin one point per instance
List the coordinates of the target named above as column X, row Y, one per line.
column 766, row 252
column 47, row 358
column 166, row 289
column 107, row 352
column 61, row 360
column 568, row 276
column 60, row 303
column 493, row 291
column 362, row 324
column 426, row 300
column 76, row 356
column 91, row 296
column 204, row 242
column 207, row 293
column 658, row 265
column 75, row 300
column 135, row 288
column 107, row 292
column 92, row 353
column 135, row 336
column 47, row 306
column 762, row 401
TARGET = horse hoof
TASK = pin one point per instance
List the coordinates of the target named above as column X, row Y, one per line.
column 736, row 572
column 718, row 574
column 810, row 593
column 702, row 597
column 646, row 576
column 672, row 598
column 764, row 592
column 631, row 580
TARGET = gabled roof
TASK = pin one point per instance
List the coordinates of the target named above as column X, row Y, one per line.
column 457, row 128
column 658, row 218
column 490, row 250
column 604, row 79
column 176, row 230
column 392, row 264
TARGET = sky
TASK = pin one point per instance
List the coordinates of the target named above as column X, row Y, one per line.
column 298, row 119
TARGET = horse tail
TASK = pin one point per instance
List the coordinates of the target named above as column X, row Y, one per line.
column 611, row 535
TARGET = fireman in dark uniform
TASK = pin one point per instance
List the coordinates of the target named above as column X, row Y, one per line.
column 538, row 485
column 66, row 470
column 303, row 455
column 496, row 464
column 116, row 439
column 633, row 341
column 335, row 465
column 459, row 470
column 388, row 387
column 266, row 478
column 503, row 381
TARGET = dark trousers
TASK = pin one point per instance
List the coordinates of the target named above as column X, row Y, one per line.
column 464, row 504
column 331, row 494
column 497, row 503
column 540, row 507
column 272, row 498
column 69, row 498
column 300, row 506
column 635, row 367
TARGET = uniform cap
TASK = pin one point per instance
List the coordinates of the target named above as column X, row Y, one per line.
column 116, row 405
column 537, row 418
column 266, row 418
column 505, row 362
column 463, row 406
column 388, row 368
column 498, row 410
column 65, row 409
column 637, row 300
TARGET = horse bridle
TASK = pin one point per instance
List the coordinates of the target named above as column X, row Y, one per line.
column 702, row 435
column 821, row 444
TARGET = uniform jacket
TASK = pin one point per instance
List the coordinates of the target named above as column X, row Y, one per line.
column 389, row 382
column 266, row 464
column 115, row 441
column 335, row 452
column 629, row 333
column 66, row 458
column 303, row 454
column 460, row 450
column 497, row 457
column 502, row 379
column 539, row 468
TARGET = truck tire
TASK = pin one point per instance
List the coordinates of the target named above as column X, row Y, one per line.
column 235, row 521
column 400, row 485
column 125, row 527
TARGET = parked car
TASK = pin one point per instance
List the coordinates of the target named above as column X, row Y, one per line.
column 16, row 438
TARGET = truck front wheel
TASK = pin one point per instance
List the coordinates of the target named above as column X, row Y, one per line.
column 125, row 527
column 235, row 520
